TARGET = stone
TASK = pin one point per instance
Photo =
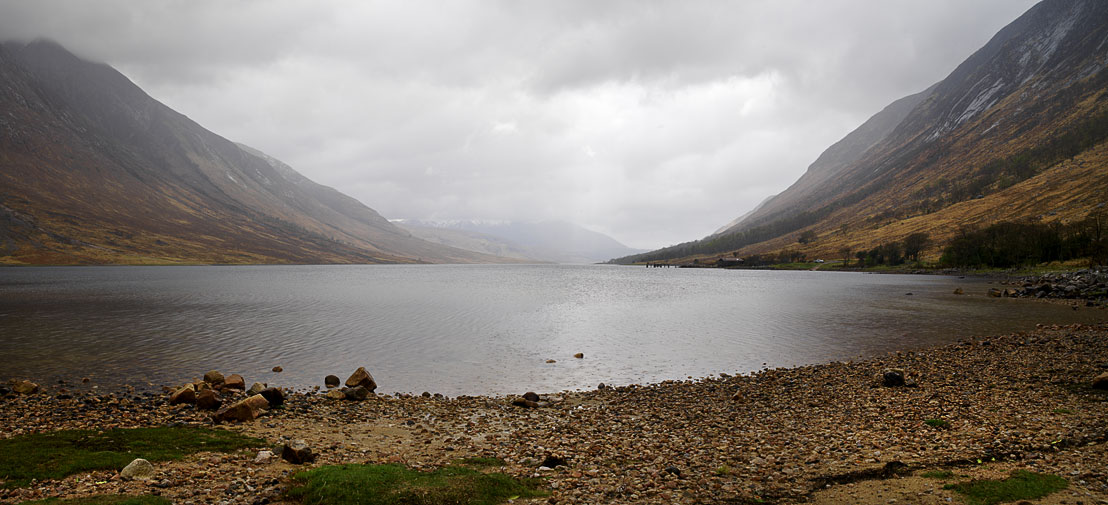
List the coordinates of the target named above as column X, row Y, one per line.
column 331, row 381
column 275, row 396
column 139, row 469
column 234, row 381
column 24, row 387
column 601, row 386
column 185, row 394
column 278, row 369
column 579, row 355
column 892, row 377
column 676, row 472
column 336, row 394
column 361, row 377
column 264, row 457
column 208, row 400
column 213, row 377
column 358, row 393
column 959, row 291
column 255, row 388
column 554, row 462
column 238, row 412
column 1011, row 293
column 531, row 395
column 257, row 401
column 995, row 293
column 5, row 390
column 523, row 402
column 297, row 452
column 1101, row 381
column 551, row 361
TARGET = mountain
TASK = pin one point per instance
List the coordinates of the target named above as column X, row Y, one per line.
column 1015, row 133
column 544, row 241
column 93, row 170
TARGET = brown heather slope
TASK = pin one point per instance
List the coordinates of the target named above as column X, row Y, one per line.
column 1015, row 133
column 95, row 171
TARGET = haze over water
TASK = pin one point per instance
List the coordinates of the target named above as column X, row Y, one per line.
column 475, row 329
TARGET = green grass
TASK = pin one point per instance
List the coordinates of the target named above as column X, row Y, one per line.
column 723, row 470
column 60, row 453
column 105, row 499
column 938, row 474
column 1022, row 485
column 936, row 423
column 1062, row 411
column 481, row 461
column 394, row 484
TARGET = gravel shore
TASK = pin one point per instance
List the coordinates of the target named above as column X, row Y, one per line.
column 829, row 433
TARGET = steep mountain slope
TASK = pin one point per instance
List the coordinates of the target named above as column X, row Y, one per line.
column 1015, row 132
column 93, row 170
column 552, row 241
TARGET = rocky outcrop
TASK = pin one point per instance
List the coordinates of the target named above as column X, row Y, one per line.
column 1088, row 284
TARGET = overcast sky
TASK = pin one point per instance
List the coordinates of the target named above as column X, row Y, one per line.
column 654, row 122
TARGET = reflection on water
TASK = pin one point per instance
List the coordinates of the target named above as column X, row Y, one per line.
column 475, row 329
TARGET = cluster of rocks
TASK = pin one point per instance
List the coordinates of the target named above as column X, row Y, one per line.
column 228, row 397
column 359, row 386
column 1088, row 284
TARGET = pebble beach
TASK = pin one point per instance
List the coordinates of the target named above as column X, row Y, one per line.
column 827, row 433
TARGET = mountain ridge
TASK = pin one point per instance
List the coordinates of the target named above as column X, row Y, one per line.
column 96, row 171
column 997, row 139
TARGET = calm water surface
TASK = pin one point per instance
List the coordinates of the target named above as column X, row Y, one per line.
column 474, row 329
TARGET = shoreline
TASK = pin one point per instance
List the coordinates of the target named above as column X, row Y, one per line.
column 782, row 435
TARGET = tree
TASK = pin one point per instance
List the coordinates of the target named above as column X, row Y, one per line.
column 914, row 244
column 807, row 237
column 846, row 253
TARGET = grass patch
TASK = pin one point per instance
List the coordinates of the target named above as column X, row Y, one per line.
column 938, row 474
column 481, row 461
column 1062, row 411
column 723, row 470
column 105, row 499
column 1022, row 485
column 394, row 484
column 57, row 454
column 936, row 423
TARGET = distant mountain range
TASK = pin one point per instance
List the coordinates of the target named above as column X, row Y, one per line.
column 544, row 241
column 1016, row 132
column 93, row 170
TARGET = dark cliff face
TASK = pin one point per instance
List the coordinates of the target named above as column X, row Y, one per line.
column 915, row 166
column 106, row 174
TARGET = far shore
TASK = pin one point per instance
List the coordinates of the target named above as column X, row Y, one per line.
column 828, row 433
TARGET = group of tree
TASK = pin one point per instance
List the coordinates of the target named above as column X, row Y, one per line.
column 1008, row 244
column 891, row 253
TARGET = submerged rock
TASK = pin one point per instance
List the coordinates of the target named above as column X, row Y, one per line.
column 332, row 381
column 255, row 388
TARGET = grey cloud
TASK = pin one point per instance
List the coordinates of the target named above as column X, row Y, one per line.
column 655, row 121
